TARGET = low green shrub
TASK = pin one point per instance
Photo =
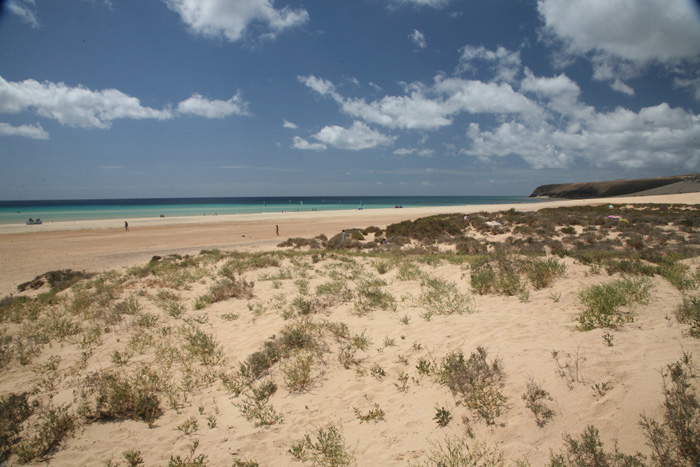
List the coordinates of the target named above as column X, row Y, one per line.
column 113, row 396
column 535, row 398
column 46, row 435
column 477, row 382
column 542, row 272
column 588, row 451
column 463, row 452
column 603, row 303
column 15, row 409
column 688, row 312
column 442, row 297
column 675, row 441
column 325, row 446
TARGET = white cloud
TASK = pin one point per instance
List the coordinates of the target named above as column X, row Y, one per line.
column 26, row 131
column 73, row 106
column 542, row 120
column 430, row 108
column 418, row 39
column 639, row 30
column 622, row 37
column 654, row 136
column 301, row 143
column 287, row 124
column 25, row 9
column 358, row 136
column 505, row 63
column 85, row 108
column 420, row 3
column 203, row 107
column 478, row 97
column 230, row 19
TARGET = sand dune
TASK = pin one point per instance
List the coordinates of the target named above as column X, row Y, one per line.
column 614, row 385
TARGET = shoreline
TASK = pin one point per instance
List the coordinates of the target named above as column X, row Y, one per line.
column 364, row 214
column 27, row 251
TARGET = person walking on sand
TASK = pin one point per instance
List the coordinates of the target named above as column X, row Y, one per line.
column 126, row 225
column 277, row 230
column 342, row 240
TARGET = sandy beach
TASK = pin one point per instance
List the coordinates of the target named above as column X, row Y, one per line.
column 29, row 250
column 606, row 378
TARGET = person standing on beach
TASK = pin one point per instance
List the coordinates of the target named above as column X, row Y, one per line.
column 277, row 230
column 342, row 240
column 126, row 225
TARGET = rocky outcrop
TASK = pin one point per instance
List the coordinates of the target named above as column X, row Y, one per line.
column 608, row 189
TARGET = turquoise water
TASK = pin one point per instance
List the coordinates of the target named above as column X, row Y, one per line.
column 17, row 212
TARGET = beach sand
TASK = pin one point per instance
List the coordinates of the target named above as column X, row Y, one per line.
column 614, row 386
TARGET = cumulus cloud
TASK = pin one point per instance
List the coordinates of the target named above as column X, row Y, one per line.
column 26, row 131
column 504, row 63
column 622, row 37
column 541, row 119
column 429, row 108
column 358, row 136
column 230, row 19
column 25, row 9
column 418, row 39
column 653, row 136
column 203, row 107
column 301, row 143
column 289, row 125
column 81, row 107
column 73, row 106
column 642, row 30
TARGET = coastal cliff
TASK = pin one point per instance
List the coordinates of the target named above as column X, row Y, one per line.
column 643, row 186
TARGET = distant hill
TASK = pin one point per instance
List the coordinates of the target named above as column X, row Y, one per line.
column 642, row 186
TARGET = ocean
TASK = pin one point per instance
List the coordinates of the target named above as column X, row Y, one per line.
column 18, row 212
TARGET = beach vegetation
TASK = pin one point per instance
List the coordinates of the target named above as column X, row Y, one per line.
column 324, row 447
column 15, row 409
column 172, row 271
column 587, row 450
column 242, row 262
column 463, row 451
column 675, row 440
column 499, row 275
column 431, row 227
column 45, row 434
column 442, row 297
column 244, row 463
column 536, row 398
column 569, row 367
column 688, row 312
column 442, row 417
column 370, row 296
column 259, row 412
column 375, row 414
column 191, row 460
column 297, row 373
column 604, row 302
column 476, row 381
column 133, row 457
column 189, row 426
column 542, row 272
column 117, row 396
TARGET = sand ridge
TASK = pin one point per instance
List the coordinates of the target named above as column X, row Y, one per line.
column 521, row 332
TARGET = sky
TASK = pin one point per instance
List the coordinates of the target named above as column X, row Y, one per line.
column 204, row 98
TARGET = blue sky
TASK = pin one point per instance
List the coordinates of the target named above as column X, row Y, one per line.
column 189, row 98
